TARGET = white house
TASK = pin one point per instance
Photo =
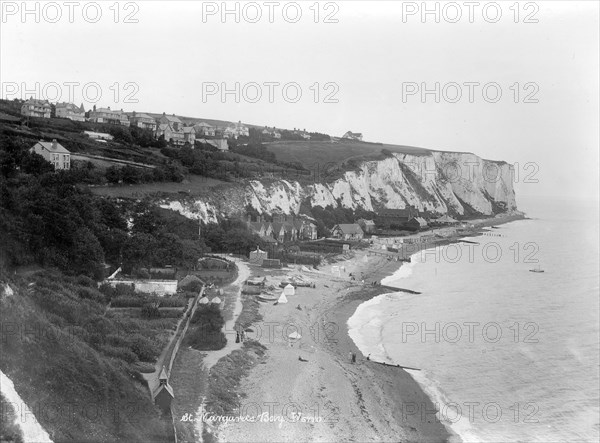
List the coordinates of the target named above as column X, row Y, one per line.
column 53, row 152
column 353, row 136
column 70, row 111
column 36, row 108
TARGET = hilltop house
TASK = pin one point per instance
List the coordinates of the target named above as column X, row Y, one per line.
column 36, row 108
column 107, row 115
column 143, row 121
column 54, row 153
column 353, row 136
column 204, row 129
column 70, row 111
column 348, row 231
column 189, row 135
column 272, row 133
column 172, row 120
column 305, row 135
column 173, row 136
column 237, row 130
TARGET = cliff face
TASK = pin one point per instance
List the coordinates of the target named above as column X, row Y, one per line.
column 439, row 183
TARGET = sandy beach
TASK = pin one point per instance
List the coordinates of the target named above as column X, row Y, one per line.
column 308, row 389
column 337, row 400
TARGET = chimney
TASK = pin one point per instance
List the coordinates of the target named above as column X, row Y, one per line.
column 54, row 144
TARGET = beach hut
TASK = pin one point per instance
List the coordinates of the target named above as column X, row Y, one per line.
column 295, row 336
column 282, row 298
column 289, row 290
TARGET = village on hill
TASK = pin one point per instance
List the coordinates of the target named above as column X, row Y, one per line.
column 172, row 298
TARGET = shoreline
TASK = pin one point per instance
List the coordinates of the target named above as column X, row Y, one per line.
column 362, row 401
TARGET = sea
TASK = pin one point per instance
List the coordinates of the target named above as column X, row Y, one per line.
column 504, row 353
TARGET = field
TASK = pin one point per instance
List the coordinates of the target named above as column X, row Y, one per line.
column 311, row 154
column 192, row 185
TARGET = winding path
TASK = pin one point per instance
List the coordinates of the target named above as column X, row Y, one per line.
column 212, row 357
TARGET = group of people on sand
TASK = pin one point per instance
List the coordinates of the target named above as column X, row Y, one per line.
column 240, row 336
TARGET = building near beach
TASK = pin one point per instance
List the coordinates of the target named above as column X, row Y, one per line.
column 257, row 257
column 416, row 223
column 347, row 231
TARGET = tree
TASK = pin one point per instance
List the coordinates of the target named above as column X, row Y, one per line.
column 87, row 256
column 113, row 174
column 33, row 163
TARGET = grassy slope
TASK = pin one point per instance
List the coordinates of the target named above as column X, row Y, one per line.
column 76, row 393
column 311, row 153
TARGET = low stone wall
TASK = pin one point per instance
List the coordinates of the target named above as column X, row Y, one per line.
column 159, row 287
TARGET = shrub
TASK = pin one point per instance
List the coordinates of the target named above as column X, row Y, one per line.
column 207, row 334
column 117, row 352
column 150, row 310
column 144, row 348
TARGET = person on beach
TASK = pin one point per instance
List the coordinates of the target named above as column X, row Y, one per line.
column 350, row 356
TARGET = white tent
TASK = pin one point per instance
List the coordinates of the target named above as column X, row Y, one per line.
column 295, row 336
column 289, row 290
column 216, row 300
column 203, row 300
column 282, row 298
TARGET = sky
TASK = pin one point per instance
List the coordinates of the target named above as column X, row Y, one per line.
column 507, row 81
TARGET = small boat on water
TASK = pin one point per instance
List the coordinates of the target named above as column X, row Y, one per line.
column 536, row 270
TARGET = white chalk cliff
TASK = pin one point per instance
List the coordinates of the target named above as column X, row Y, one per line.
column 437, row 182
